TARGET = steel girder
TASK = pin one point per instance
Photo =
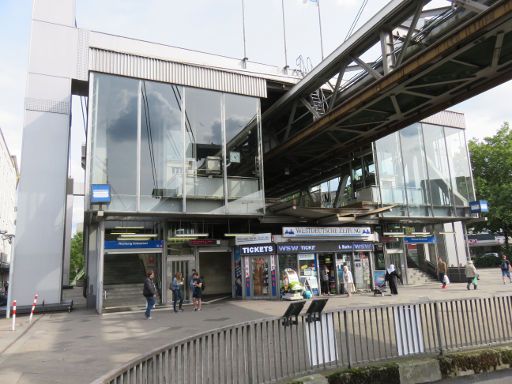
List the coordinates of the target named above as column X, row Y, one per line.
column 473, row 55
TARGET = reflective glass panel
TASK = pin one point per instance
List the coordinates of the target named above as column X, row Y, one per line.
column 245, row 192
column 415, row 170
column 114, row 138
column 439, row 174
column 161, row 168
column 459, row 168
column 203, row 151
column 391, row 174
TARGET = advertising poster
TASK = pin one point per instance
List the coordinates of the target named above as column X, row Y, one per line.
column 273, row 275
column 237, row 267
column 379, row 278
column 247, row 278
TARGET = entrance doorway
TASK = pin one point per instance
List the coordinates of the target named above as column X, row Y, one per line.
column 124, row 275
column 215, row 269
column 185, row 265
column 260, row 282
column 327, row 260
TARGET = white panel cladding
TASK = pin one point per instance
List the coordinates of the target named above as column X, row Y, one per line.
column 82, row 61
column 177, row 73
column 447, row 118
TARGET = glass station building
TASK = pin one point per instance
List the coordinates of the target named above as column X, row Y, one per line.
column 174, row 170
column 184, row 168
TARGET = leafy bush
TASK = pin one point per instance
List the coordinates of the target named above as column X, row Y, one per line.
column 487, row 262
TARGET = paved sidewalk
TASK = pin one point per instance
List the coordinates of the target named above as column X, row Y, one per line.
column 80, row 346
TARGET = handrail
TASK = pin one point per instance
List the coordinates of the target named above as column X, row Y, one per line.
column 270, row 350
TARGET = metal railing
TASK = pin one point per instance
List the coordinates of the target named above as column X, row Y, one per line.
column 267, row 351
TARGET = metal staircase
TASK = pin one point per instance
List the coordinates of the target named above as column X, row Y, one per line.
column 317, row 99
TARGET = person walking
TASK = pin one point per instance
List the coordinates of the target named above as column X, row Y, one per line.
column 149, row 293
column 177, row 294
column 197, row 292
column 441, row 271
column 348, row 280
column 392, row 278
column 505, row 269
column 471, row 275
column 324, row 280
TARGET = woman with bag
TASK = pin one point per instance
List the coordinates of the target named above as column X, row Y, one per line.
column 176, row 287
column 348, row 280
column 471, row 275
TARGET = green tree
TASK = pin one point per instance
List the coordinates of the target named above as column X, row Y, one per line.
column 77, row 255
column 491, row 161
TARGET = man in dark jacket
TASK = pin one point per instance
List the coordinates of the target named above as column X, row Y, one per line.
column 149, row 293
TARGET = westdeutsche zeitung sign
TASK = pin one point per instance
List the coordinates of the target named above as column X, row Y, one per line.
column 298, row 232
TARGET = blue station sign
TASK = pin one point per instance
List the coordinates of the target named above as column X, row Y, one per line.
column 133, row 244
column 100, row 194
column 479, row 206
column 420, row 240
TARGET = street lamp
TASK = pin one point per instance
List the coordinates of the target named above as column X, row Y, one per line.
column 9, row 237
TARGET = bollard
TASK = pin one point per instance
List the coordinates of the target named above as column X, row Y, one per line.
column 33, row 307
column 13, row 328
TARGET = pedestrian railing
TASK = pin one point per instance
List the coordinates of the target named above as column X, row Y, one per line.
column 270, row 350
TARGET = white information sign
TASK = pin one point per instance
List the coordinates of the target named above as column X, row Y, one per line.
column 326, row 232
column 257, row 238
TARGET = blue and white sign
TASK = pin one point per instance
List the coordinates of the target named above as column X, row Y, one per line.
column 258, row 249
column 100, row 194
column 420, row 240
column 316, row 232
column 480, row 206
column 133, row 244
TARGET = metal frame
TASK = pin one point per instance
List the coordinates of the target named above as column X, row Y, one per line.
column 435, row 71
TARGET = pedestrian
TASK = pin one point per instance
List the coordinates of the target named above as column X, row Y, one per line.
column 505, row 269
column 471, row 274
column 6, row 287
column 324, row 280
column 149, row 293
column 392, row 278
column 191, row 282
column 197, row 292
column 441, row 271
column 348, row 280
column 177, row 294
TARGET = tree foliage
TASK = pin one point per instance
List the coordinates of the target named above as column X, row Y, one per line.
column 491, row 161
column 77, row 254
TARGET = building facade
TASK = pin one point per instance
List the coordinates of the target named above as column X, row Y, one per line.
column 175, row 178
column 9, row 176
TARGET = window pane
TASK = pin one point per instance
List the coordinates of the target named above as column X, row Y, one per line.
column 415, row 171
column 114, row 138
column 391, row 174
column 204, row 159
column 161, row 166
column 437, row 163
column 245, row 193
column 459, row 169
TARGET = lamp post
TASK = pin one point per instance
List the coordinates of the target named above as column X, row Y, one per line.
column 9, row 237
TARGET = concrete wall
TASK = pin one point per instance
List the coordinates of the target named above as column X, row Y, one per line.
column 38, row 254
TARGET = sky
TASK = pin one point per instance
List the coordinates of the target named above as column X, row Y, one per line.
column 213, row 26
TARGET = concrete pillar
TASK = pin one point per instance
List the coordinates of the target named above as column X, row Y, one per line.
column 39, row 247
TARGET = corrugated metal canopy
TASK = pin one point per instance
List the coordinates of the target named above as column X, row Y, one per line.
column 148, row 68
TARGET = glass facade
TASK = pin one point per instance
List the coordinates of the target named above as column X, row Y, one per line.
column 425, row 169
column 169, row 148
column 390, row 173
